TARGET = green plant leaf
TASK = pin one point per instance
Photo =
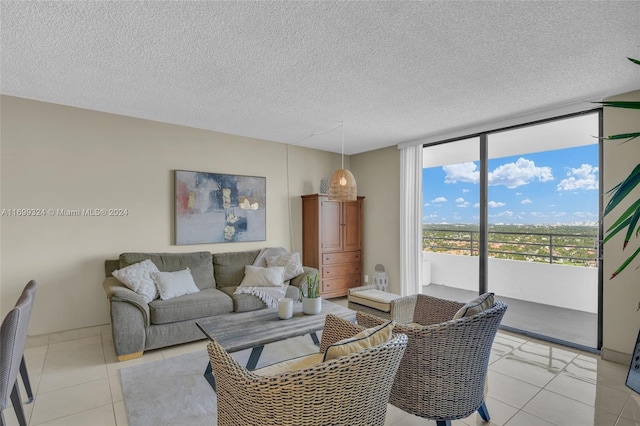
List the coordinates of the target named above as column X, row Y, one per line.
column 632, row 224
column 626, row 214
column 629, row 136
column 625, row 264
column 617, row 229
column 635, row 61
column 624, row 189
column 620, row 104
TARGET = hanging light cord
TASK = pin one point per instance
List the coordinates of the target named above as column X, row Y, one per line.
column 342, row 125
column 318, row 134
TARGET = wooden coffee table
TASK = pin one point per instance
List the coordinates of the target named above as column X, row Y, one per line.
column 255, row 329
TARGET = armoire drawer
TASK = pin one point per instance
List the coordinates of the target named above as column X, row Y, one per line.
column 332, row 285
column 341, row 270
column 343, row 257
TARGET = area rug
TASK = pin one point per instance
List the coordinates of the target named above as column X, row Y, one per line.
column 173, row 391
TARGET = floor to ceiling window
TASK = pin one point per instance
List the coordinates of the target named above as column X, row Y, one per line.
column 537, row 242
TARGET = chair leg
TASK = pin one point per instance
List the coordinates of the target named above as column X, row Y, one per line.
column 484, row 412
column 25, row 381
column 443, row 422
column 17, row 405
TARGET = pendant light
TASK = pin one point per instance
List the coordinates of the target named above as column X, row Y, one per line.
column 342, row 186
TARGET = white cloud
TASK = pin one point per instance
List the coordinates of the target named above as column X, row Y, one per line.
column 463, row 172
column 496, row 204
column 465, row 190
column 476, row 205
column 459, row 200
column 427, row 204
column 522, row 172
column 463, row 204
column 439, row 200
column 511, row 175
column 518, row 193
column 585, row 177
column 526, row 201
column 506, row 213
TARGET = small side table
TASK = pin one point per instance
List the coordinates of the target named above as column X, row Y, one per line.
column 385, row 305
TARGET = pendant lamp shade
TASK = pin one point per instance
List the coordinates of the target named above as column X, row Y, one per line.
column 342, row 186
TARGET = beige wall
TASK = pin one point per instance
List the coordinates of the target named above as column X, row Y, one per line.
column 377, row 174
column 621, row 313
column 61, row 157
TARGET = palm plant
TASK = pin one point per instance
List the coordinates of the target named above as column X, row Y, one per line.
column 631, row 216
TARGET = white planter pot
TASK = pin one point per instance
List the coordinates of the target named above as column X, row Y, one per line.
column 311, row 306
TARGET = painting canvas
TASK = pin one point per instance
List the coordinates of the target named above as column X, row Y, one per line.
column 218, row 208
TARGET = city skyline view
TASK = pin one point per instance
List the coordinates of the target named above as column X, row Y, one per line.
column 558, row 187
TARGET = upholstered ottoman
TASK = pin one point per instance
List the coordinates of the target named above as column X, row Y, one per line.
column 390, row 306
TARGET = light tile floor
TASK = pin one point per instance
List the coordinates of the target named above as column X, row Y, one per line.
column 531, row 383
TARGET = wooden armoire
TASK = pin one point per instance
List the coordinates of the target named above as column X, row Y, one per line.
column 332, row 242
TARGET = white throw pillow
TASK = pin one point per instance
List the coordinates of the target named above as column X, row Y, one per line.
column 290, row 262
column 138, row 278
column 255, row 276
column 174, row 284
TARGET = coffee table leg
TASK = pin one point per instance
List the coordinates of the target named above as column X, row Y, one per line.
column 314, row 337
column 254, row 357
column 208, row 375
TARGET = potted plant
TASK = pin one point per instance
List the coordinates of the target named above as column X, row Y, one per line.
column 311, row 300
column 627, row 221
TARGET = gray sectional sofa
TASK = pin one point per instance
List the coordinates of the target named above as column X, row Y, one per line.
column 138, row 326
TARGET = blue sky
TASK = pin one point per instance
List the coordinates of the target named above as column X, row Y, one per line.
column 551, row 187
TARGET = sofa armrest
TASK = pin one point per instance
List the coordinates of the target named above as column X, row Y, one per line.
column 308, row 272
column 118, row 292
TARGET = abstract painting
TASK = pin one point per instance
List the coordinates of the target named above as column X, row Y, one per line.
column 218, row 208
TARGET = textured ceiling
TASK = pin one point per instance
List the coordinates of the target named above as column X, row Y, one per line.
column 393, row 71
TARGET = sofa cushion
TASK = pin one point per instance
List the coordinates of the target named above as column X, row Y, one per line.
column 243, row 302
column 200, row 264
column 249, row 302
column 206, row 303
column 229, row 267
column 375, row 299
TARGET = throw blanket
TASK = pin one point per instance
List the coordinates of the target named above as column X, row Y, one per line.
column 269, row 295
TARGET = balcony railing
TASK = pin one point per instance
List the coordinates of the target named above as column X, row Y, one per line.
column 568, row 249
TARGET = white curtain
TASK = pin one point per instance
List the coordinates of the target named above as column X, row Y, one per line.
column 410, row 219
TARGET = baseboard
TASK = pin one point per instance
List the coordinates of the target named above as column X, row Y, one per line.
column 615, row 356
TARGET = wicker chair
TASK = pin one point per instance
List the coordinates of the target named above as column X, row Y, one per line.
column 350, row 390
column 442, row 375
column 13, row 337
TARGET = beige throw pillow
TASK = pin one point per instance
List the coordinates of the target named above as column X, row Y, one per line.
column 289, row 261
column 365, row 339
column 138, row 278
column 174, row 284
column 255, row 276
